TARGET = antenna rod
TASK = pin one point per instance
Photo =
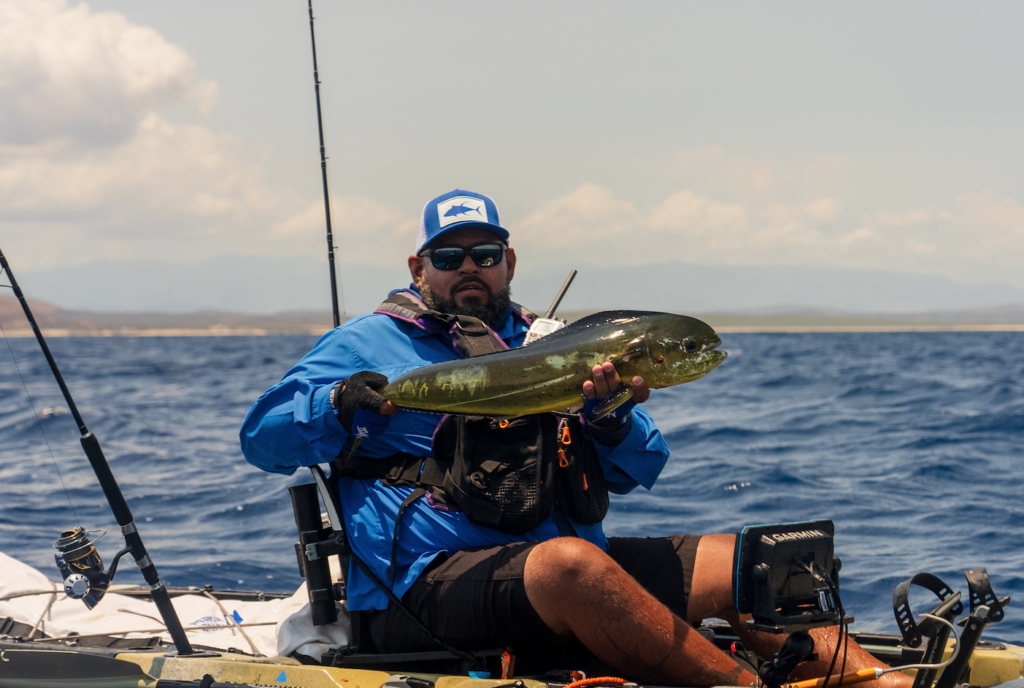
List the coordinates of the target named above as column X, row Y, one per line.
column 111, row 490
column 561, row 293
column 323, row 171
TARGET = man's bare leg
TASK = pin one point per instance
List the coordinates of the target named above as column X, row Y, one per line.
column 711, row 596
column 578, row 590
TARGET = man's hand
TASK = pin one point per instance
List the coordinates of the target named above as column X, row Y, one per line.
column 606, row 381
column 360, row 408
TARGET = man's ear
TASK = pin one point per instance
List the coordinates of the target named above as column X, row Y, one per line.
column 416, row 269
column 510, row 259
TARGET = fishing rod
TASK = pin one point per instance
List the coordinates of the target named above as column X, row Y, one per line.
column 80, row 564
column 323, row 173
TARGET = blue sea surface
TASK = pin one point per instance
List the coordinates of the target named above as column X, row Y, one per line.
column 910, row 442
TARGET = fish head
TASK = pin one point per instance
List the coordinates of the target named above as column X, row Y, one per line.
column 680, row 349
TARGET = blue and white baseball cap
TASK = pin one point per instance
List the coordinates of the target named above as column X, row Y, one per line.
column 457, row 209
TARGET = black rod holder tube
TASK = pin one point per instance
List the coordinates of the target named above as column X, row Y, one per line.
column 306, row 507
column 162, row 600
column 111, row 490
column 323, row 173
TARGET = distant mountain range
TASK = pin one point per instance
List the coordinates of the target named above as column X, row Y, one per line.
column 56, row 321
column 263, row 295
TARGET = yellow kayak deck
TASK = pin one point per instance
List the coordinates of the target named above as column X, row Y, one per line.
column 992, row 664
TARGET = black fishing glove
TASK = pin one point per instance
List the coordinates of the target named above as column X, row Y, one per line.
column 356, row 403
column 612, row 428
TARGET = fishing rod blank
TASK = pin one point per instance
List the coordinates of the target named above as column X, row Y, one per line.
column 111, row 490
column 323, row 172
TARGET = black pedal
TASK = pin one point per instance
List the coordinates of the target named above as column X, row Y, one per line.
column 980, row 589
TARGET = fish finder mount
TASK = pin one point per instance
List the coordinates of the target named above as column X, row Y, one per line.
column 787, row 576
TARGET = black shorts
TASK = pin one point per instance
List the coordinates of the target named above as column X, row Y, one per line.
column 476, row 600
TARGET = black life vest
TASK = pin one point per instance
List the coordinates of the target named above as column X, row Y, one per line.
column 503, row 473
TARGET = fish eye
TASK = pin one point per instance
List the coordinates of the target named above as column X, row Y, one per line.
column 659, row 359
column 690, row 345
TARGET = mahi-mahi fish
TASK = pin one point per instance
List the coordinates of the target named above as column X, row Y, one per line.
column 548, row 374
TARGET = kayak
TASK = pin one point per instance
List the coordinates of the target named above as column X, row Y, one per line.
column 268, row 639
column 34, row 664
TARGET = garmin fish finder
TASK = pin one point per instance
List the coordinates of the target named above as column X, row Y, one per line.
column 787, row 576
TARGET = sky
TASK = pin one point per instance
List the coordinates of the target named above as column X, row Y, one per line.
column 872, row 136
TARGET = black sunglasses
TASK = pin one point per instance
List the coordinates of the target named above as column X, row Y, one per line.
column 450, row 258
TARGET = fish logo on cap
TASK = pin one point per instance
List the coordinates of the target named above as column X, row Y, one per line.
column 461, row 209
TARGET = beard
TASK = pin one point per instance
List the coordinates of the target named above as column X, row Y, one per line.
column 492, row 313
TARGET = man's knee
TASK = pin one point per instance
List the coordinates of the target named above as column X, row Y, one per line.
column 564, row 562
column 561, row 575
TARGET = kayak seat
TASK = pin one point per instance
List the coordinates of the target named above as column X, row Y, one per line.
column 322, row 535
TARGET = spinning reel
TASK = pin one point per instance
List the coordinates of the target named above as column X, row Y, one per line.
column 82, row 568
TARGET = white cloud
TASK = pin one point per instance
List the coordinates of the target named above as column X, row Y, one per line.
column 88, row 167
column 860, row 237
column 365, row 231
column 600, row 228
column 585, row 217
column 686, row 212
column 980, row 237
column 67, row 73
column 173, row 192
column 997, row 220
column 164, row 170
column 910, row 218
column 714, row 171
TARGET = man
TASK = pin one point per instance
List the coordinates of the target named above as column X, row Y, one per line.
column 628, row 601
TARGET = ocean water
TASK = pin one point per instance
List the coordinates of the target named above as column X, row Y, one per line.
column 910, row 442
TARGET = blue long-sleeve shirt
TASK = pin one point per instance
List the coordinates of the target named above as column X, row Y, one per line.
column 293, row 425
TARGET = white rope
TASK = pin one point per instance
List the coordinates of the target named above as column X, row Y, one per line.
column 245, row 635
column 46, row 609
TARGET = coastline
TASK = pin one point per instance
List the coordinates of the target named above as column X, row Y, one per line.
column 57, row 322
column 319, row 330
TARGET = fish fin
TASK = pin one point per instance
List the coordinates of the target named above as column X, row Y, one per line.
column 613, row 401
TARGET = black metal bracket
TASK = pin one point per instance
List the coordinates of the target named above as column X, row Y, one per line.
column 329, row 546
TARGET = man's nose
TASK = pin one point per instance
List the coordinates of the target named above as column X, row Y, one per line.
column 468, row 267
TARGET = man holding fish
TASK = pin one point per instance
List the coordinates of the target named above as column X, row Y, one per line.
column 555, row 589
